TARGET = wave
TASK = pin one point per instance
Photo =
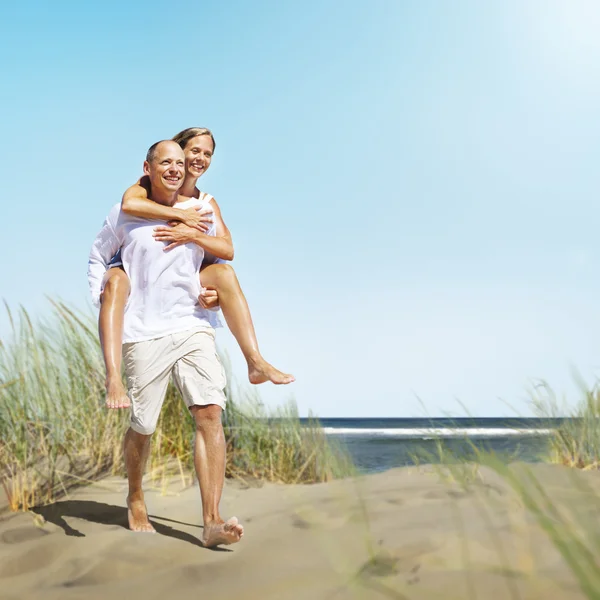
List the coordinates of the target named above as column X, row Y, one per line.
column 435, row 432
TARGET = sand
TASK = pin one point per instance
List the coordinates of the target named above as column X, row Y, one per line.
column 400, row 534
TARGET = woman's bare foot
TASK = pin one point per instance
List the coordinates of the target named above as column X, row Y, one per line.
column 223, row 533
column 116, row 394
column 137, row 515
column 261, row 371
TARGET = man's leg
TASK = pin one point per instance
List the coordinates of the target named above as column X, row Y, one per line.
column 148, row 365
column 209, row 460
column 201, row 380
column 110, row 326
column 222, row 277
column 136, row 449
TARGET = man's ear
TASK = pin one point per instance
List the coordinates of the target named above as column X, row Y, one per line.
column 146, row 168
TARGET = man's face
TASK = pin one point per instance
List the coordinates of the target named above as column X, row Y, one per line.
column 167, row 169
column 198, row 154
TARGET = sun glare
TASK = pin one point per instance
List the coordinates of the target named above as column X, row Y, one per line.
column 568, row 29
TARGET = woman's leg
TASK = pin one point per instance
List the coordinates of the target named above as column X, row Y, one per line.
column 110, row 325
column 222, row 278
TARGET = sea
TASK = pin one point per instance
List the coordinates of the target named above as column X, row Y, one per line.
column 379, row 444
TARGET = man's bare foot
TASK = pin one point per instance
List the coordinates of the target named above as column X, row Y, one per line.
column 116, row 395
column 262, row 371
column 137, row 515
column 223, row 533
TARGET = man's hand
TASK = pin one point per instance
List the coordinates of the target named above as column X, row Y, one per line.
column 176, row 233
column 208, row 298
column 197, row 217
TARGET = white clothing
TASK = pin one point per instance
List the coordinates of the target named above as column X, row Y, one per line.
column 164, row 285
column 190, row 357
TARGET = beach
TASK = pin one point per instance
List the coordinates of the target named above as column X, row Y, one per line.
column 412, row 532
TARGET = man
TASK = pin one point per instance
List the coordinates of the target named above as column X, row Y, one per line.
column 166, row 332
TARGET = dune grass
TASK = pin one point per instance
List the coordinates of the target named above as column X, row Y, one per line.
column 56, row 433
column 576, row 442
column 274, row 446
column 572, row 530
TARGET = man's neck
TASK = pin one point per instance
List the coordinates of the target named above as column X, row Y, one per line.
column 164, row 198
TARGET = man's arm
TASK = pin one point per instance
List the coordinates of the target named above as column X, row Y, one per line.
column 105, row 246
column 219, row 245
column 136, row 202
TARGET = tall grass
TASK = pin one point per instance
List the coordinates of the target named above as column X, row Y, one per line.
column 274, row 446
column 53, row 428
column 55, row 431
column 571, row 529
column 576, row 441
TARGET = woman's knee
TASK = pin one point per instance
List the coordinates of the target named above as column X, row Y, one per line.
column 116, row 284
column 222, row 274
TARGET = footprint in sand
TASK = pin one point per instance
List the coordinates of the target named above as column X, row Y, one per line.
column 382, row 564
column 445, row 494
column 23, row 534
column 414, row 575
column 395, row 501
column 37, row 558
column 300, row 523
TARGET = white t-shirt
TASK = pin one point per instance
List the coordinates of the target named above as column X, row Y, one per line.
column 164, row 285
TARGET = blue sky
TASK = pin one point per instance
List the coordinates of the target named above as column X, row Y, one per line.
column 411, row 186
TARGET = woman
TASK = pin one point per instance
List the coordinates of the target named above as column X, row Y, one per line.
column 219, row 283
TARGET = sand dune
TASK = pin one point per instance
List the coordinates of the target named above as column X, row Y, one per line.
column 400, row 534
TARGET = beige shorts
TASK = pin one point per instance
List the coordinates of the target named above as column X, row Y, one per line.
column 190, row 356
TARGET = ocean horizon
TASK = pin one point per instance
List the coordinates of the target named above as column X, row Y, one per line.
column 378, row 444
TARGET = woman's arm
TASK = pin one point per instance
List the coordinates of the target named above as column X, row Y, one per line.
column 219, row 245
column 221, row 241
column 136, row 202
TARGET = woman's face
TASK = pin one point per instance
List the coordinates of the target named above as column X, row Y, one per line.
column 198, row 154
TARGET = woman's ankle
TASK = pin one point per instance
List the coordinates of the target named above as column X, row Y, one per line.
column 113, row 379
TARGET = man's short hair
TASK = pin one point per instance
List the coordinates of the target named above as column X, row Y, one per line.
column 152, row 150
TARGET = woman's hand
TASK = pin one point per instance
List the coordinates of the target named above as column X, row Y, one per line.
column 175, row 233
column 197, row 217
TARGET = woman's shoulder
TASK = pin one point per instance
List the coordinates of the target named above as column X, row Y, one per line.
column 205, row 197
